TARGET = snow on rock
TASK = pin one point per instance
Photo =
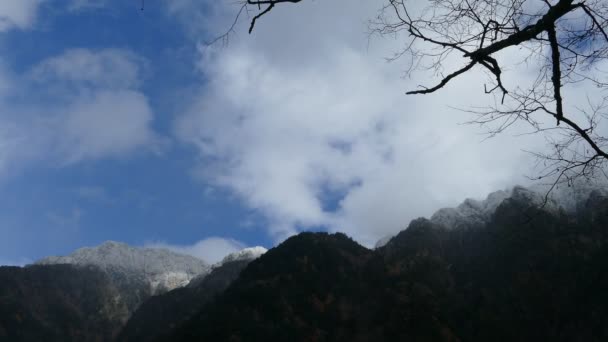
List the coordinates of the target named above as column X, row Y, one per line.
column 160, row 268
column 244, row 256
column 250, row 253
column 574, row 197
column 569, row 199
column 383, row 241
column 470, row 212
column 169, row 280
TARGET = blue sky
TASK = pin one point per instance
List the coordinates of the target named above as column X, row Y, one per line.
column 121, row 124
column 53, row 207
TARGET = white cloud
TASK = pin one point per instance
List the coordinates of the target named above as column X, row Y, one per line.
column 293, row 115
column 77, row 5
column 211, row 250
column 18, row 13
column 79, row 106
column 198, row 18
column 15, row 262
column 68, row 222
column 93, row 193
column 109, row 68
column 112, row 123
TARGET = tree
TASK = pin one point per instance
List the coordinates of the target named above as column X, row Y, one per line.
column 565, row 40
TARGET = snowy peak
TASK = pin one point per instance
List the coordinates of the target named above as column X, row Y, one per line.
column 248, row 254
column 470, row 212
column 475, row 213
column 236, row 260
column 160, row 268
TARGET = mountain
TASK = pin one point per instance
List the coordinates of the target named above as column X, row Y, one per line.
column 90, row 294
column 475, row 213
column 247, row 254
column 513, row 267
column 512, row 270
column 137, row 272
column 472, row 212
column 157, row 317
column 290, row 292
column 59, row 303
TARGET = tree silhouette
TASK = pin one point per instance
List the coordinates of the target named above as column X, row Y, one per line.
column 565, row 41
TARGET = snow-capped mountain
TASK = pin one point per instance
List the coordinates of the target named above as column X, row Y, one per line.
column 472, row 212
column 242, row 257
column 138, row 272
column 155, row 319
column 248, row 254
column 475, row 213
column 533, row 247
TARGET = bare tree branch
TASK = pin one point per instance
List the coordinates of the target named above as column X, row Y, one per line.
column 563, row 40
column 443, row 81
column 557, row 74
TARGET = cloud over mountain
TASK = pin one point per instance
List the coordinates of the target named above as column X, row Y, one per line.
column 310, row 128
column 211, row 250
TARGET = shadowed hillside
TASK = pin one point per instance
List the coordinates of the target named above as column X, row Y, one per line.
column 159, row 315
column 528, row 274
column 59, row 303
column 513, row 271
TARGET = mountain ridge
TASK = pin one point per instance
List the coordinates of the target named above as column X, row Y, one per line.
column 529, row 273
column 161, row 268
column 524, row 271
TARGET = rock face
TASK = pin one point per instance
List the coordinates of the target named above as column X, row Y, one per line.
column 59, row 303
column 137, row 272
column 523, row 273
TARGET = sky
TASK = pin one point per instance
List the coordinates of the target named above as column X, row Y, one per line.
column 122, row 124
